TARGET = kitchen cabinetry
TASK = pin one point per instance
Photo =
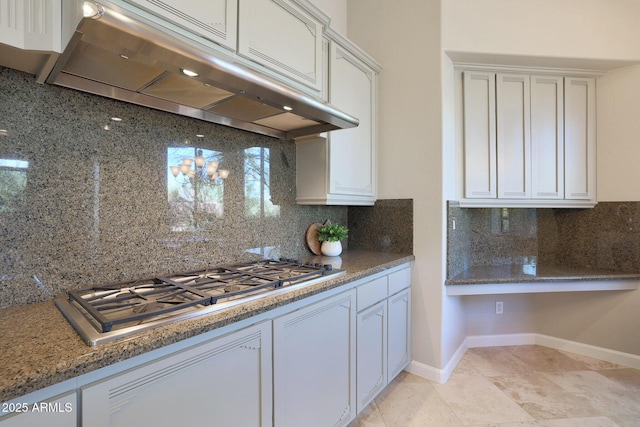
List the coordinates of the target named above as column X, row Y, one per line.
column 579, row 138
column 226, row 381
column 479, row 135
column 216, row 20
column 303, row 363
column 60, row 411
column 383, row 333
column 314, row 364
column 281, row 35
column 341, row 169
column 537, row 149
column 33, row 25
column 513, row 137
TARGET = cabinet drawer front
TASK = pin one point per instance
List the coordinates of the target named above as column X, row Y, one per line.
column 399, row 280
column 370, row 293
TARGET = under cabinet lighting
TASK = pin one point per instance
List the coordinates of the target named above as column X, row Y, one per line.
column 188, row 72
column 92, row 10
column 287, row 108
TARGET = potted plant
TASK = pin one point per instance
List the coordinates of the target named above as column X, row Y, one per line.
column 330, row 236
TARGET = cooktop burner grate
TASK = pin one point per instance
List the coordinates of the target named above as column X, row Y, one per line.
column 131, row 304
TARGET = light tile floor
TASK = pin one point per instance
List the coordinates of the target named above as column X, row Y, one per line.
column 513, row 386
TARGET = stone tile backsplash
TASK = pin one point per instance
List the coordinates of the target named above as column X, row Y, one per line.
column 80, row 204
column 606, row 237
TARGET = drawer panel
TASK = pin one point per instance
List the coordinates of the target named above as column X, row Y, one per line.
column 372, row 292
column 399, row 280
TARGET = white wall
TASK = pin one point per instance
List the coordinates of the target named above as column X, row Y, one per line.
column 619, row 134
column 405, row 38
column 337, row 12
column 417, row 153
column 601, row 32
column 564, row 28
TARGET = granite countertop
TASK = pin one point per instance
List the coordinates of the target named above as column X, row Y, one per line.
column 40, row 348
column 503, row 274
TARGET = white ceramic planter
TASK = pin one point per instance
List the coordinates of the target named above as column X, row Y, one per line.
column 331, row 248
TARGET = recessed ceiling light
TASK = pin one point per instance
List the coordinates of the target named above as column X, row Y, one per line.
column 123, row 56
column 188, row 72
column 286, row 107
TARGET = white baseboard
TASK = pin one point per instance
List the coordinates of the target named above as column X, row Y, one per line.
column 442, row 375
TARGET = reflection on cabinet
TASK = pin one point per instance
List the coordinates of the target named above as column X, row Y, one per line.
column 284, row 37
column 314, row 364
column 215, row 20
column 539, row 148
column 60, row 411
column 341, row 169
column 226, row 381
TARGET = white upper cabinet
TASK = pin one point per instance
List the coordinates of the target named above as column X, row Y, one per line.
column 541, row 140
column 480, row 135
column 547, row 137
column 579, row 138
column 32, row 25
column 341, row 169
column 282, row 36
column 513, row 137
column 215, row 20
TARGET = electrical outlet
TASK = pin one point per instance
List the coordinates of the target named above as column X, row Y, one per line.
column 499, row 307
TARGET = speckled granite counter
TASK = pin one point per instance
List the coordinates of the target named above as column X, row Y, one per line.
column 39, row 348
column 483, row 274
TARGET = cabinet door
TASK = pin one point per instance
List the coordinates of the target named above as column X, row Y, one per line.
column 280, row 35
column 371, row 353
column 513, row 136
column 314, row 364
column 547, row 137
column 33, row 25
column 215, row 20
column 60, row 411
column 479, row 135
column 579, row 138
column 398, row 333
column 224, row 382
column 352, row 152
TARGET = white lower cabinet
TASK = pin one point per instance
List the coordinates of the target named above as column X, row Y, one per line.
column 399, row 333
column 383, row 333
column 372, row 353
column 224, row 382
column 314, row 364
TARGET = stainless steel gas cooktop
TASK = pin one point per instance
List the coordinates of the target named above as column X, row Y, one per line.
column 106, row 312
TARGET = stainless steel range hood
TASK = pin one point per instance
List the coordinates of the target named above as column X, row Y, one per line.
column 120, row 55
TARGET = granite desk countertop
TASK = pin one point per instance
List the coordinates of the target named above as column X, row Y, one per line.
column 503, row 274
column 40, row 348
